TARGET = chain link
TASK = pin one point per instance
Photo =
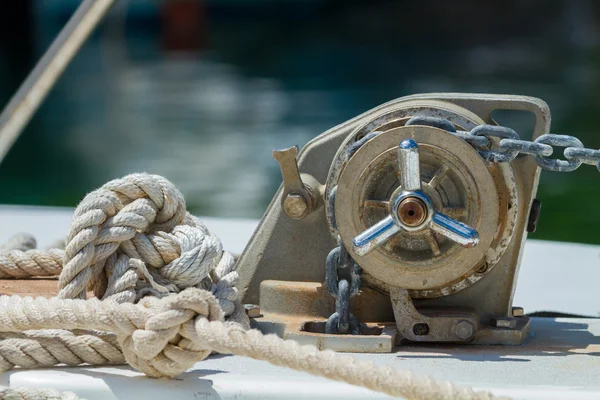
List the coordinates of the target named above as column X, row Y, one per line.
column 342, row 320
column 506, row 149
column 511, row 145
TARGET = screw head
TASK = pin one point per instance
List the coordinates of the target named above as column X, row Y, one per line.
column 464, row 330
column 412, row 211
column 295, row 206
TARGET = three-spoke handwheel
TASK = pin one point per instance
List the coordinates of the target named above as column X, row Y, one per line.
column 411, row 210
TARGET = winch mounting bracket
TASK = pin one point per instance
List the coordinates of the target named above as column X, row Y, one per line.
column 469, row 291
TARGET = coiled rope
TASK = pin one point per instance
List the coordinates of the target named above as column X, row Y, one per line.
column 165, row 298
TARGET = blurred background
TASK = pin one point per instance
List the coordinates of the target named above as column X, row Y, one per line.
column 202, row 91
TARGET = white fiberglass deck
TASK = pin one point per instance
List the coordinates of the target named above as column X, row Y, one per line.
column 560, row 361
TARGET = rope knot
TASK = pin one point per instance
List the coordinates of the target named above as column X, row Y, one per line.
column 110, row 216
column 198, row 253
column 157, row 348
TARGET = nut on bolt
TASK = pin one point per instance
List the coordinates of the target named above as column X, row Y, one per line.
column 295, row 206
column 518, row 312
column 463, row 329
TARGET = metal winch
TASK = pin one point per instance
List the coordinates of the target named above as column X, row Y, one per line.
column 404, row 223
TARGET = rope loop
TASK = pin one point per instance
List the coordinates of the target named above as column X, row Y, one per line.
column 158, row 349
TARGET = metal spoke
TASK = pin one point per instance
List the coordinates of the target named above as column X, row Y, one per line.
column 394, row 241
column 455, row 212
column 374, row 236
column 383, row 204
column 408, row 165
column 454, row 230
column 433, row 243
column 438, row 176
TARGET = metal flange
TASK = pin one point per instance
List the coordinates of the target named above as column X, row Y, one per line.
column 454, row 178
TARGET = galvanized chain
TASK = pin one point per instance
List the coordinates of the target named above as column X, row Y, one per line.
column 511, row 145
column 506, row 149
column 342, row 320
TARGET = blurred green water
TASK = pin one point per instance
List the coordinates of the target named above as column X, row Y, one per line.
column 208, row 119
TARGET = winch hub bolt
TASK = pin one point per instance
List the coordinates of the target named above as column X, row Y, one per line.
column 412, row 211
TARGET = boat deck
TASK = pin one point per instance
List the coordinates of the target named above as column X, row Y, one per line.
column 561, row 359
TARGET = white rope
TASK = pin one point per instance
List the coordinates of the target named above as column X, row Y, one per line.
column 130, row 238
column 165, row 337
column 35, row 394
column 21, row 264
column 166, row 287
column 20, row 241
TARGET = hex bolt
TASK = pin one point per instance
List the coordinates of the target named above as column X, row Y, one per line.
column 295, row 206
column 463, row 329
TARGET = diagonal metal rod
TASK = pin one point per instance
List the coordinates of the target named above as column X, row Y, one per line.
column 42, row 78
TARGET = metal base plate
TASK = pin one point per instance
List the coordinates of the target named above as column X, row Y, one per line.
column 382, row 340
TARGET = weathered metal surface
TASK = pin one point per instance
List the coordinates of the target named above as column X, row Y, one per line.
column 301, row 311
column 310, row 301
column 550, row 164
column 410, row 210
column 342, row 289
column 435, row 325
column 302, row 245
column 295, row 205
column 455, row 180
column 382, row 341
column 300, row 197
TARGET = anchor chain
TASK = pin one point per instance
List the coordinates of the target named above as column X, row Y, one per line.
column 511, row 145
column 338, row 261
column 480, row 137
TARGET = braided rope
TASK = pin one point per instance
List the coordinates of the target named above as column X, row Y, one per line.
column 20, row 241
column 35, row 394
column 166, row 287
column 152, row 262
column 130, row 238
column 21, row 264
column 165, row 337
column 46, row 348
